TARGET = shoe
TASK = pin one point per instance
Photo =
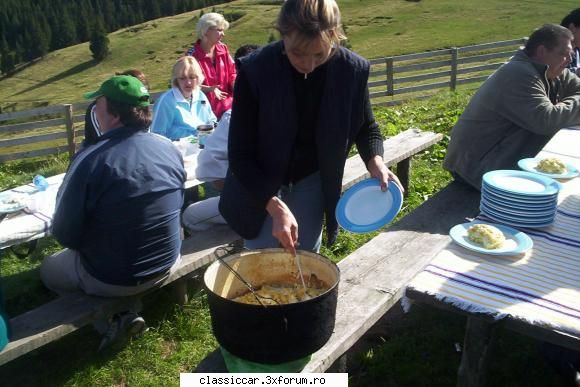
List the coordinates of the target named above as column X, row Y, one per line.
column 122, row 327
column 133, row 324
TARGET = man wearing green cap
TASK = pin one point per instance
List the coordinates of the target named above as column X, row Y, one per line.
column 118, row 208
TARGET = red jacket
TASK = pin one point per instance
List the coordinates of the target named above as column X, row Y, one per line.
column 222, row 74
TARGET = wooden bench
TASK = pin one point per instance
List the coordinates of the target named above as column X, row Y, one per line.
column 66, row 314
column 374, row 277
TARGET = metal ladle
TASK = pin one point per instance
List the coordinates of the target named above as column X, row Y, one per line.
column 224, row 251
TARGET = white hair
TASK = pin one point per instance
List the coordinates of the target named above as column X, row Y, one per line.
column 209, row 20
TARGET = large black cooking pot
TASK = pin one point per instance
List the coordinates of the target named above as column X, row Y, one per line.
column 271, row 334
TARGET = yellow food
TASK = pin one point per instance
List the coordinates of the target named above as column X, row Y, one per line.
column 281, row 294
column 485, row 235
column 551, row 165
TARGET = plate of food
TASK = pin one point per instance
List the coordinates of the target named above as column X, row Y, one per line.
column 490, row 238
column 11, row 202
column 364, row 207
column 550, row 166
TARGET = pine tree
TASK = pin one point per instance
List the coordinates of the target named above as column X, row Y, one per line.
column 39, row 39
column 64, row 31
column 152, row 10
column 99, row 44
column 7, row 63
column 83, row 21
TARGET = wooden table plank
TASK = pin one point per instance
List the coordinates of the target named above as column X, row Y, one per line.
column 374, row 277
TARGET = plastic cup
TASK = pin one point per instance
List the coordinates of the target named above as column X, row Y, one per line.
column 203, row 132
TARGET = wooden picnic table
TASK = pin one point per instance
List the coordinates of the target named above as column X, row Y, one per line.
column 35, row 221
column 536, row 293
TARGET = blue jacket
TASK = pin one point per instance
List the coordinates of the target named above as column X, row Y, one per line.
column 174, row 117
column 119, row 206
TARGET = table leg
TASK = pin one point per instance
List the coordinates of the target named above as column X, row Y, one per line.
column 404, row 173
column 179, row 289
column 477, row 346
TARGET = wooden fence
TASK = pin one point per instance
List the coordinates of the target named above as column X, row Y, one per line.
column 58, row 129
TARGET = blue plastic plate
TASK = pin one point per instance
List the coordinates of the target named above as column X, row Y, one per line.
column 530, row 166
column 364, row 207
column 512, row 210
column 520, row 203
column 521, row 182
column 524, row 219
column 513, row 223
column 516, row 242
column 519, row 197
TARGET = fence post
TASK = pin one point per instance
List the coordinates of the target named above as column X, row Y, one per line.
column 453, row 80
column 70, row 129
column 390, row 69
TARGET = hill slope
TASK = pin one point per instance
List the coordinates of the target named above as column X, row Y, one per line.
column 376, row 28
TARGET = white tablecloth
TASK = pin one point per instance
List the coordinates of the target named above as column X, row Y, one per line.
column 540, row 287
column 35, row 221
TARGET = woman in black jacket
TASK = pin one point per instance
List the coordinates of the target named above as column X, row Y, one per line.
column 299, row 105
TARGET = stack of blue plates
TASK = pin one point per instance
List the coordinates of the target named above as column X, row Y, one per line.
column 519, row 198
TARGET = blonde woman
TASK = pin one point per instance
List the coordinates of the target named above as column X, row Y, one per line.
column 300, row 105
column 215, row 61
column 180, row 110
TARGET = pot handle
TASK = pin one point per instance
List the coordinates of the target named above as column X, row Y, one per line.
column 229, row 249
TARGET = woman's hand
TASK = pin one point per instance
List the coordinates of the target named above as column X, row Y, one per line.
column 284, row 225
column 215, row 90
column 378, row 170
column 219, row 94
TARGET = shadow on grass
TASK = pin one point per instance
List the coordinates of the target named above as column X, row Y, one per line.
column 65, row 74
column 422, row 348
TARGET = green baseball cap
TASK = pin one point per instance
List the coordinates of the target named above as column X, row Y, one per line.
column 124, row 89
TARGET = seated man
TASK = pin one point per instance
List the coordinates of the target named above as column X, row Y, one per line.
column 517, row 109
column 118, row 208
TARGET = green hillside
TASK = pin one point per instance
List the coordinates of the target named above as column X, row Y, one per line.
column 376, row 28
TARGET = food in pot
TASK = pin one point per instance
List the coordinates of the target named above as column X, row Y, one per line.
column 485, row 235
column 551, row 165
column 284, row 293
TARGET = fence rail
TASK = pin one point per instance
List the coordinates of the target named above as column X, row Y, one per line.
column 393, row 80
column 56, row 129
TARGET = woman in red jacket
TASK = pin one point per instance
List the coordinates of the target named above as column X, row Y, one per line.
column 215, row 61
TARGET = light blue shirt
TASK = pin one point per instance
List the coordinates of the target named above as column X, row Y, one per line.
column 174, row 117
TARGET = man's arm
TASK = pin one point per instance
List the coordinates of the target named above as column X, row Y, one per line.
column 525, row 102
column 70, row 213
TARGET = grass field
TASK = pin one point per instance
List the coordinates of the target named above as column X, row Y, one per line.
column 376, row 29
column 412, row 350
column 417, row 349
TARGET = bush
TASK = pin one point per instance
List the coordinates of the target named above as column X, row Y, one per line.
column 99, row 46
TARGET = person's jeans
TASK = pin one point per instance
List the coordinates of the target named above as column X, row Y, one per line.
column 306, row 202
column 64, row 273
